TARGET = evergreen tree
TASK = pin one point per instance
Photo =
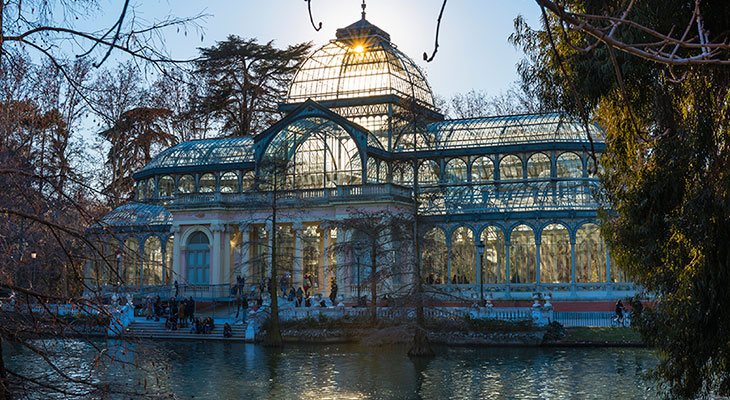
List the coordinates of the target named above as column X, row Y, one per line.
column 665, row 189
column 245, row 82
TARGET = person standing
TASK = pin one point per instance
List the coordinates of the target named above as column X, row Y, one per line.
column 177, row 289
column 191, row 309
column 333, row 293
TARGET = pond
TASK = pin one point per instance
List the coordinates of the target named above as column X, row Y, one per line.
column 218, row 370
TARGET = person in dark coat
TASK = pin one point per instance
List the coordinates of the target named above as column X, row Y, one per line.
column 333, row 293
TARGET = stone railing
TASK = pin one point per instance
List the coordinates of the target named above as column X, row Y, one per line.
column 539, row 315
column 341, row 193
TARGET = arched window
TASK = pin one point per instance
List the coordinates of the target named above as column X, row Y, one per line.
column 312, row 256
column 206, row 184
column 463, row 256
column 538, row 166
column 372, row 170
column 594, row 170
column 131, row 262
column 590, row 254
column 433, row 257
column 403, row 174
column 522, row 255
column 383, row 172
column 429, row 172
column 141, row 189
column 198, row 259
column 186, row 184
column 229, row 182
column 247, row 181
column 150, row 189
column 152, row 270
column 456, row 171
column 494, row 257
column 510, row 167
column 314, row 153
column 166, row 186
column 482, row 169
column 169, row 250
column 569, row 166
column 555, row 254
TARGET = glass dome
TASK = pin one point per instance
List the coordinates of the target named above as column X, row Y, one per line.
column 361, row 62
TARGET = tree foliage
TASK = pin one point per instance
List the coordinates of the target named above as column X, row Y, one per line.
column 667, row 171
column 245, row 82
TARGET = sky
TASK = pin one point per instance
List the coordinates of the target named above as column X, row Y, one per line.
column 474, row 52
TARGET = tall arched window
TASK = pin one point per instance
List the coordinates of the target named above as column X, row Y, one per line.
column 538, row 166
column 494, row 257
column 569, row 166
column 247, row 180
column 152, row 271
column 131, row 262
column 186, row 184
column 197, row 269
column 482, row 169
column 383, row 172
column 429, row 172
column 141, row 188
column 206, row 184
column 169, row 251
column 590, row 254
column 150, row 190
column 312, row 254
column 372, row 170
column 433, row 257
column 522, row 255
column 229, row 182
column 555, row 254
column 463, row 256
column 593, row 169
column 510, row 167
column 166, row 186
column 314, row 153
column 456, row 171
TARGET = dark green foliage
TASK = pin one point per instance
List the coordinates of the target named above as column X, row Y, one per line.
column 555, row 331
column 667, row 174
column 245, row 82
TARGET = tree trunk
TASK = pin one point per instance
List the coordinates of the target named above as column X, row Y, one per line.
column 273, row 334
column 373, row 284
column 4, row 392
column 421, row 346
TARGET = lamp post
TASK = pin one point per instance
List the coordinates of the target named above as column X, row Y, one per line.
column 33, row 256
column 480, row 252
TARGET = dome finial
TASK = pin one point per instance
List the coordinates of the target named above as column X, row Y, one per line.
column 363, row 9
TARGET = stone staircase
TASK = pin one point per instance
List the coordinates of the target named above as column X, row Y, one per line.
column 147, row 329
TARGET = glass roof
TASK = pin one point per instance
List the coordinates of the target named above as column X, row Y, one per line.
column 342, row 69
column 514, row 129
column 577, row 194
column 136, row 214
column 205, row 152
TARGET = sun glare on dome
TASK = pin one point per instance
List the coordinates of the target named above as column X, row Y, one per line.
column 358, row 49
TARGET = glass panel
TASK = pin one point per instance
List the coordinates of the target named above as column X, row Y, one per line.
column 538, row 166
column 248, row 180
column 494, row 257
column 229, row 182
column 169, row 251
column 456, row 171
column 186, row 184
column 510, row 167
column 429, row 172
column 590, row 254
column 482, row 169
column 207, row 183
column 555, row 255
column 150, row 190
column 569, row 165
column 166, row 186
column 522, row 255
column 152, row 272
column 433, row 257
column 463, row 256
column 131, row 261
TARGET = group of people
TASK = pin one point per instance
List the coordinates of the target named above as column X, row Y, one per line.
column 176, row 313
column 204, row 326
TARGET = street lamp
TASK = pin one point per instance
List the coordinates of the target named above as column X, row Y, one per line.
column 480, row 252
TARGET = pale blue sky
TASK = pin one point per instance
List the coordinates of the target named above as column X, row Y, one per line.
column 473, row 53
